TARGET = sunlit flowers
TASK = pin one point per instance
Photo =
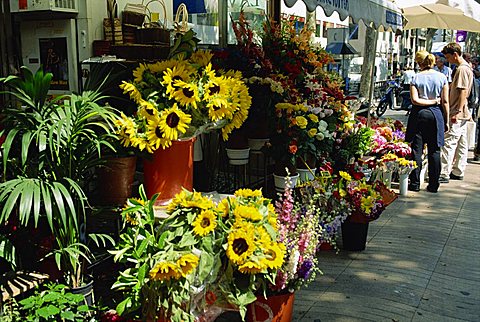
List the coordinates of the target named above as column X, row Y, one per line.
column 181, row 98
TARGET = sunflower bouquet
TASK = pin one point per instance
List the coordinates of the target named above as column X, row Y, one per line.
column 203, row 258
column 181, row 98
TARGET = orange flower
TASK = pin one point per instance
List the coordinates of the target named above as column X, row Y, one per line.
column 293, row 149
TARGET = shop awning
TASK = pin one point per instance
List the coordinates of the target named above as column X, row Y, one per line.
column 381, row 14
column 340, row 48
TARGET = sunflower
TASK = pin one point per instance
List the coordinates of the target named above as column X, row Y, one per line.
column 147, row 110
column 252, row 267
column 274, row 255
column 138, row 72
column 247, row 193
column 172, row 121
column 187, row 263
column 130, row 89
column 131, row 219
column 178, row 200
column 240, row 245
column 205, row 223
column 198, row 201
column 178, row 72
column 224, row 207
column 248, row 212
column 164, row 271
column 187, row 94
column 125, row 129
column 142, row 143
column 155, row 135
column 215, row 87
column 201, row 57
column 218, row 108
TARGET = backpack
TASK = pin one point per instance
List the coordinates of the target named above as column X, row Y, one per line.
column 474, row 97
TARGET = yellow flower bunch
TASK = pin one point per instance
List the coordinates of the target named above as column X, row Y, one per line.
column 180, row 98
column 406, row 166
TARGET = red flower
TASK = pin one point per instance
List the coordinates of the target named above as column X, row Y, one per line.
column 293, row 149
column 210, row 298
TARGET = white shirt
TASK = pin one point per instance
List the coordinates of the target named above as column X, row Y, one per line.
column 408, row 76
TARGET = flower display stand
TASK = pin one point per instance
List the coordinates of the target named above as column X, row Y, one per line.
column 169, row 170
column 275, row 308
column 238, row 156
column 403, row 184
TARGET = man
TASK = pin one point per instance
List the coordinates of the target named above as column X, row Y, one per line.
column 440, row 67
column 455, row 150
column 407, row 78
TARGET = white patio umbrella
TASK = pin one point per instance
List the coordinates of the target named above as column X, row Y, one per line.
column 441, row 14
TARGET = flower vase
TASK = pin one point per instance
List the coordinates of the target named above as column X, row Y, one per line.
column 278, row 308
column 403, row 184
column 169, row 170
column 281, row 182
column 387, row 178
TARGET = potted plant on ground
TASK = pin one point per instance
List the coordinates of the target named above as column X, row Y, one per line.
column 51, row 148
column 201, row 259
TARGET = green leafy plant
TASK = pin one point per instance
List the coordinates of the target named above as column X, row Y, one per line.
column 50, row 149
column 202, row 256
column 55, row 303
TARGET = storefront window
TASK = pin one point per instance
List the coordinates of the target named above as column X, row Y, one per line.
column 255, row 13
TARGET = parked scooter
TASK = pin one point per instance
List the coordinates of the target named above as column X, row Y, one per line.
column 388, row 99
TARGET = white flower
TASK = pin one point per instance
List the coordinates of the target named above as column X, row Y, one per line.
column 319, row 136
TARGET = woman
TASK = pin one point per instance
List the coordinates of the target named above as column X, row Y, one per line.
column 426, row 123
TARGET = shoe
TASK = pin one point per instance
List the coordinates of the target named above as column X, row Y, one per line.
column 413, row 188
column 455, row 177
column 443, row 180
column 431, row 190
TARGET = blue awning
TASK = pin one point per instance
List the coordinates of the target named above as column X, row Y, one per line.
column 340, row 48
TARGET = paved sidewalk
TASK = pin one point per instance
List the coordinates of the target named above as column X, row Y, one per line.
column 422, row 263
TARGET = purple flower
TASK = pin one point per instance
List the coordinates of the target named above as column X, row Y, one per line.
column 305, row 270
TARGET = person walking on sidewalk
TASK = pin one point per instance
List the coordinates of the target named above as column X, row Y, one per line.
column 455, row 151
column 426, row 124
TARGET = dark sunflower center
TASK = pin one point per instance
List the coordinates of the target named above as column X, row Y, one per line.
column 149, row 110
column 214, row 89
column 216, row 107
column 188, row 92
column 205, row 222
column 158, row 132
column 271, row 255
column 173, row 120
column 240, row 246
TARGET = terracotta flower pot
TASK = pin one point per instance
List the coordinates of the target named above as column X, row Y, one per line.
column 275, row 308
column 169, row 170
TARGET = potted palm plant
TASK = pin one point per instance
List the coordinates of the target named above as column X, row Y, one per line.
column 51, row 147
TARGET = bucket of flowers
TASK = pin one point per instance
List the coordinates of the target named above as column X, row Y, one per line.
column 405, row 167
column 202, row 259
column 366, row 203
column 178, row 99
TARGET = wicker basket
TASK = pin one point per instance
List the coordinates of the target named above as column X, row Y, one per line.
column 134, row 14
column 116, row 31
column 154, row 32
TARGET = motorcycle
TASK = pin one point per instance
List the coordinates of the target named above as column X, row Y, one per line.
column 388, row 99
